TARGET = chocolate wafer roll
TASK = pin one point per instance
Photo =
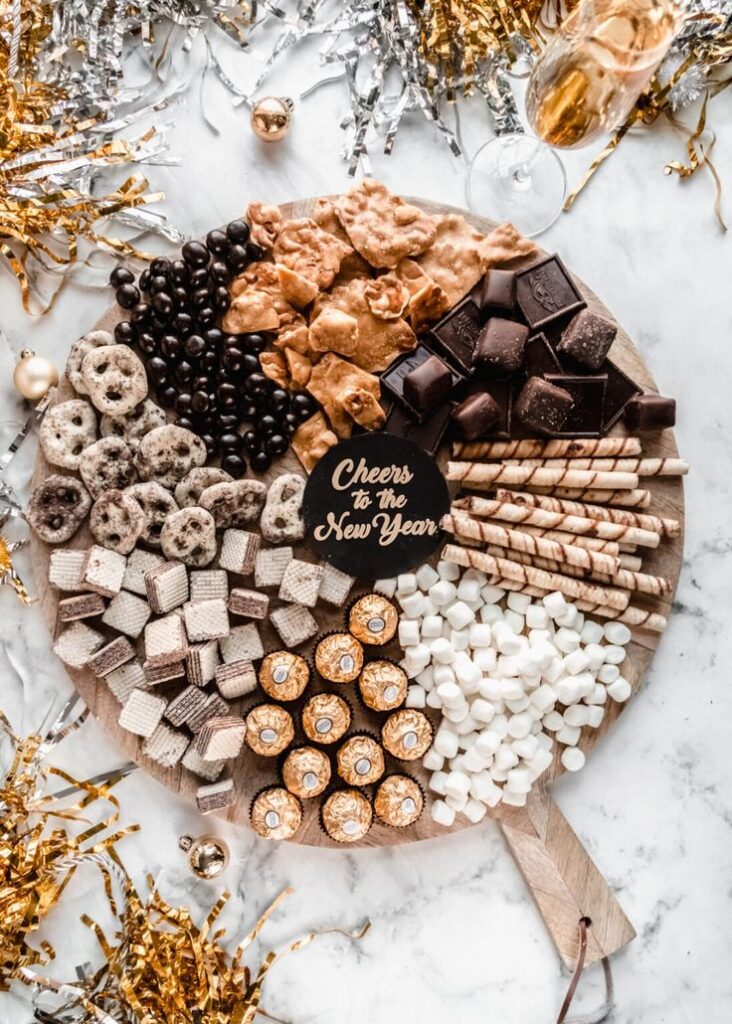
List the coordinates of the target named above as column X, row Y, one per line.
column 531, row 448
column 488, row 474
column 624, row 517
column 635, row 498
column 607, row 547
column 642, row 467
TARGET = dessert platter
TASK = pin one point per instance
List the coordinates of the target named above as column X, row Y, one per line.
column 357, row 521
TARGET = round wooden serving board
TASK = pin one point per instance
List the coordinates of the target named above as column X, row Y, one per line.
column 251, row 772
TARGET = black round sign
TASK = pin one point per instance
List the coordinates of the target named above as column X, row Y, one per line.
column 373, row 504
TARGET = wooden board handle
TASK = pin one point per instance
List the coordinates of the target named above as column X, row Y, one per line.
column 564, row 880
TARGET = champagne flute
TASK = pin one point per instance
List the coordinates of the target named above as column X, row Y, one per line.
column 585, row 83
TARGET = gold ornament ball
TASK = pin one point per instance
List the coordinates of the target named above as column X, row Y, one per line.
column 208, row 856
column 34, row 376
column 272, row 117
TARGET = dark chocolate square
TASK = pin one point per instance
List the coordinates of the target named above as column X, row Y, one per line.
column 457, row 333
column 501, row 391
column 539, row 358
column 498, row 294
column 545, row 292
column 428, row 385
column 650, row 412
column 475, row 414
column 500, row 347
column 587, row 338
column 618, row 392
column 542, row 406
column 393, row 377
column 585, row 418
column 427, row 435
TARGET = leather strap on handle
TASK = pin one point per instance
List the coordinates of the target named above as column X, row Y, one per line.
column 603, row 1011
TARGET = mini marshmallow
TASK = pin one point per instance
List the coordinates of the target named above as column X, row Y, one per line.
column 442, row 593
column 519, row 725
column 595, row 655
column 406, row 584
column 468, row 589
column 516, row 706
column 416, row 696
column 490, row 613
column 426, row 678
column 567, row 640
column 442, row 651
column 568, row 690
column 451, row 695
column 448, row 571
column 459, row 639
column 518, row 602
column 591, row 632
column 482, row 710
column 459, row 615
column 437, row 782
column 479, row 634
column 507, row 666
column 431, row 627
column 426, row 577
column 456, row 802
column 492, row 595
column 578, row 715
column 617, row 633
column 466, row 725
column 614, row 655
column 483, row 788
column 526, row 747
column 608, row 673
column 595, row 715
column 433, row 761
column 514, row 621
column 576, row 662
column 505, row 758
column 499, row 725
column 408, row 633
column 514, row 799
column 554, row 603
column 456, row 715
column 467, row 672
column 487, row 743
column 474, row 811
column 518, row 781
column 598, row 695
column 569, row 618
column 553, row 721
column 543, row 697
column 443, row 674
column 446, row 742
column 430, row 608
column 505, row 639
column 442, row 814
column 573, row 759
column 537, row 617
column 485, row 658
column 620, row 690
column 553, row 671
column 457, row 785
column 541, row 760
column 498, row 774
column 413, row 604
column 569, row 735
column 473, row 760
column 433, row 700
column 386, row 587
column 511, row 689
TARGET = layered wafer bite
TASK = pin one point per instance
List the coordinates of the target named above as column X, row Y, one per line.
column 221, row 738
column 339, row 658
column 127, row 613
column 123, row 680
column 270, row 730
column 77, row 644
column 214, row 707
column 206, row 584
column 270, row 565
column 326, row 718
column 202, row 661
column 111, row 656
column 157, row 674
column 306, row 772
column 167, row 586
column 301, row 583
column 276, row 814
column 215, row 796
column 294, row 624
column 399, row 801
column 360, row 761
column 242, row 644
column 373, row 619
column 239, row 551
column 209, row 770
column 165, row 641
column 206, row 620
column 166, row 746
column 186, row 705
column 407, row 734
column 141, row 712
column 347, row 815
column 103, row 571
column 249, row 604
column 64, row 570
column 236, row 679
column 139, row 563
column 81, row 606
column 284, row 675
column 335, row 586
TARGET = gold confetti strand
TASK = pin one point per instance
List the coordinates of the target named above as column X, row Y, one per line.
column 698, row 157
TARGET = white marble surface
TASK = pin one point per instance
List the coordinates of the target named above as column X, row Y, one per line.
column 455, row 936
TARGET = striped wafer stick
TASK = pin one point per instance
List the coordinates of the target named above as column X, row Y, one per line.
column 512, row 570
column 642, row 467
column 492, row 533
column 487, row 474
column 503, row 507
column 607, row 547
column 640, row 618
column 630, row 499
column 642, row 520
column 631, row 562
column 603, row 446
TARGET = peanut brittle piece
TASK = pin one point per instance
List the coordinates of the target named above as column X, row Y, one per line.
column 264, row 223
column 381, row 226
column 299, row 291
column 299, row 367
column 312, row 439
column 334, row 331
column 386, row 296
column 249, row 312
column 335, row 382
column 306, row 248
column 274, row 366
column 379, row 341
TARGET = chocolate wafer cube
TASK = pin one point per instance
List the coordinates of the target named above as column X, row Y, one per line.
column 141, row 712
column 250, row 604
column 64, row 570
column 166, row 746
column 167, row 587
column 127, row 613
column 110, row 657
column 157, row 674
column 301, row 583
column 201, row 662
column 242, row 644
column 103, row 571
column 206, row 620
column 239, row 551
column 215, row 796
column 165, row 641
column 82, row 606
column 270, row 565
column 215, row 707
column 185, row 704
column 139, row 563
column 236, row 679
column 77, row 644
column 221, row 738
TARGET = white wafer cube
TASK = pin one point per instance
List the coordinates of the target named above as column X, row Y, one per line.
column 165, row 641
column 426, row 577
column 167, row 586
column 270, row 565
column 207, row 584
column 127, row 613
column 166, row 746
column 243, row 643
column 193, row 761
column 239, row 551
column 141, row 712
column 64, row 570
column 335, row 586
column 294, row 624
column 139, row 562
column 77, row 644
column 301, row 583
column 123, row 680
column 206, row 620
column 103, row 571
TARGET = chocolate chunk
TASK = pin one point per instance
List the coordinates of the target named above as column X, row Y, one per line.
column 539, row 358
column 393, row 378
column 542, row 406
column 618, row 392
column 501, row 346
column 545, row 292
column 501, row 391
column 499, row 290
column 476, row 415
column 426, row 435
column 588, row 338
column 427, row 385
column 588, row 394
column 457, row 333
column 650, row 412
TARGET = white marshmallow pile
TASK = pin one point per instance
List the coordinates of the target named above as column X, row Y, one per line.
column 512, row 676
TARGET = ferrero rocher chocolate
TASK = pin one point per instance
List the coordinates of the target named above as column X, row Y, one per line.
column 399, row 801
column 326, row 718
column 382, row 685
column 407, row 734
column 270, row 730
column 373, row 619
column 276, row 814
column 347, row 816
column 360, row 761
column 339, row 658
column 306, row 772
column 283, row 675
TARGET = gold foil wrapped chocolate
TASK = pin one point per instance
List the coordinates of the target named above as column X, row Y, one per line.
column 383, row 685
column 407, row 734
column 360, row 761
column 339, row 658
column 270, row 730
column 284, row 676
column 276, row 813
column 399, row 801
column 347, row 815
column 326, row 718
column 306, row 772
column 373, row 619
